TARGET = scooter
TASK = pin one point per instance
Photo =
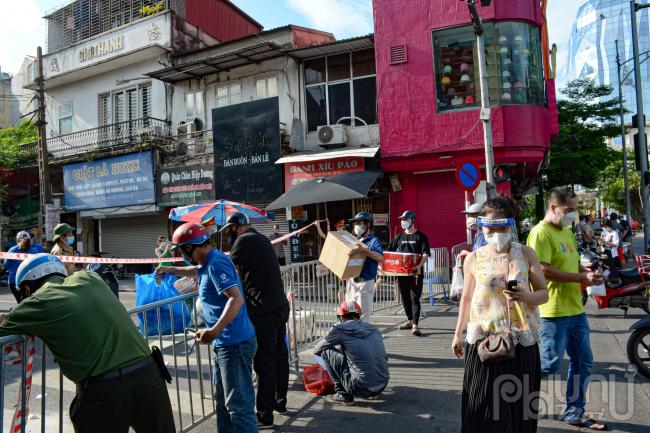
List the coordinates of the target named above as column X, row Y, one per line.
column 106, row 271
column 624, row 288
column 638, row 346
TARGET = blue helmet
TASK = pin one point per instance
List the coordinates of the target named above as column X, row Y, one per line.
column 39, row 266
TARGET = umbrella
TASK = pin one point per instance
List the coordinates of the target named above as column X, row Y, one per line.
column 219, row 211
column 334, row 188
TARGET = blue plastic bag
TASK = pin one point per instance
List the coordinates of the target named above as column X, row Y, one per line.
column 148, row 291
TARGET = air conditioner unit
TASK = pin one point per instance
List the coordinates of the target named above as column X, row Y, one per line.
column 332, row 136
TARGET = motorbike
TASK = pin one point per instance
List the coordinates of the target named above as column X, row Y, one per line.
column 638, row 346
column 106, row 271
column 624, row 288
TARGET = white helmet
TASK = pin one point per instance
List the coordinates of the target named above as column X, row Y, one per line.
column 38, row 266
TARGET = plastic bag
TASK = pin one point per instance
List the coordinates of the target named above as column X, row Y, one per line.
column 597, row 290
column 317, row 380
column 148, row 291
column 457, row 282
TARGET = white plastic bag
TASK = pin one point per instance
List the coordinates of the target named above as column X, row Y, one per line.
column 457, row 282
column 597, row 290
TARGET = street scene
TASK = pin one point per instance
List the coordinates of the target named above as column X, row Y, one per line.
column 324, row 216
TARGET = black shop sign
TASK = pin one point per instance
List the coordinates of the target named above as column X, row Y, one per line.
column 246, row 146
column 182, row 186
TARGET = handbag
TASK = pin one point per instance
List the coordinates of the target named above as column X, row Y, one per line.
column 498, row 347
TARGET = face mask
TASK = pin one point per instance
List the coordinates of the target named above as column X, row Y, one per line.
column 186, row 258
column 498, row 240
column 70, row 240
column 568, row 219
column 360, row 230
column 471, row 223
column 406, row 224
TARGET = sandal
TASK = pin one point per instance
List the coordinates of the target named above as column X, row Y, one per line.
column 406, row 325
column 590, row 424
column 416, row 331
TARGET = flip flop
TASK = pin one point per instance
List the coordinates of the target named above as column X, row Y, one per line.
column 590, row 424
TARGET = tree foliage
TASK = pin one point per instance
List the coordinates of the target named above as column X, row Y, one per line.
column 587, row 117
column 12, row 152
column 612, row 185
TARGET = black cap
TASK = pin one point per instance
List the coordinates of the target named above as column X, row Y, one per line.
column 407, row 215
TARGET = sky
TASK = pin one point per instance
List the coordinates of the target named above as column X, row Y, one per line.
column 22, row 29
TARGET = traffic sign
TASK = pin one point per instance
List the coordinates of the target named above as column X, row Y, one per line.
column 468, row 175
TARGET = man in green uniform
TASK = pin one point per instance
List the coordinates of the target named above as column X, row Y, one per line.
column 97, row 346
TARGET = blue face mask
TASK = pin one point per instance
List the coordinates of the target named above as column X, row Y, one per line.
column 70, row 240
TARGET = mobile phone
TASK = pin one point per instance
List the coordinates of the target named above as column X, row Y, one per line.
column 512, row 285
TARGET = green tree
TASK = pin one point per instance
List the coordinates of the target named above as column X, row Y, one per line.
column 612, row 185
column 12, row 154
column 587, row 117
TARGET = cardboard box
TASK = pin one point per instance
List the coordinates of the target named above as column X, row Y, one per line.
column 335, row 255
column 399, row 264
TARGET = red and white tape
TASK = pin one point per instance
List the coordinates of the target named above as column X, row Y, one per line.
column 14, row 356
column 115, row 260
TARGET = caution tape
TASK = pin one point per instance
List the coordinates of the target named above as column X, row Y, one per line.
column 292, row 234
column 83, row 259
column 14, row 356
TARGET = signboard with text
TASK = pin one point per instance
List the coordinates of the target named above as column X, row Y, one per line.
column 246, row 146
column 295, row 242
column 297, row 172
column 119, row 181
column 181, row 186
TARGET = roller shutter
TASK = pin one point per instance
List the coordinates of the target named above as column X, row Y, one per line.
column 132, row 237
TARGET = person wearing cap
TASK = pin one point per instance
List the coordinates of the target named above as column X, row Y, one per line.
column 230, row 331
column 361, row 289
column 63, row 238
column 268, row 307
column 354, row 356
column 472, row 212
column 23, row 246
column 279, row 246
column 411, row 241
column 120, row 384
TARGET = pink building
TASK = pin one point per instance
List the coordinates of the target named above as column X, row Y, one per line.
column 429, row 100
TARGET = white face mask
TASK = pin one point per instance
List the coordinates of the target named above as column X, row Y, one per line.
column 568, row 219
column 499, row 240
column 359, row 230
column 406, row 224
column 471, row 223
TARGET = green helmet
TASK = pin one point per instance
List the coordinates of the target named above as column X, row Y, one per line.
column 62, row 230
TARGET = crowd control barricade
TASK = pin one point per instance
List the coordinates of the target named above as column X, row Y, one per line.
column 437, row 275
column 456, row 249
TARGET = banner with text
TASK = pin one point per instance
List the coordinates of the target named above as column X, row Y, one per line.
column 182, row 186
column 297, row 172
column 246, row 146
column 119, row 181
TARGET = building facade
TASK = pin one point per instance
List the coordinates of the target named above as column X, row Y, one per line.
column 429, row 101
column 592, row 48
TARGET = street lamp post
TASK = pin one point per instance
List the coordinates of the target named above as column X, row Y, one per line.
column 622, row 113
column 485, row 98
column 634, row 7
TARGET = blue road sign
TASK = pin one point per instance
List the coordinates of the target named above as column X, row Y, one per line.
column 468, row 175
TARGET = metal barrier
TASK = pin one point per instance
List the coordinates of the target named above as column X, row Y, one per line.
column 437, row 275
column 456, row 249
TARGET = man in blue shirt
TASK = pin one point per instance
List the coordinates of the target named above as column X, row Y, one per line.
column 23, row 246
column 230, row 331
column 362, row 288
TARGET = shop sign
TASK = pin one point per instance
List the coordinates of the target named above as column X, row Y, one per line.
column 295, row 242
column 380, row 219
column 100, row 49
column 297, row 172
column 52, row 219
column 182, row 186
column 119, row 181
column 246, row 146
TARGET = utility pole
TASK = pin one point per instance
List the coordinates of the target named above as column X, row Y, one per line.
column 486, row 116
column 628, row 212
column 643, row 146
column 43, row 172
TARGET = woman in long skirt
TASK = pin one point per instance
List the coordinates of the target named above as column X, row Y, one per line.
column 502, row 396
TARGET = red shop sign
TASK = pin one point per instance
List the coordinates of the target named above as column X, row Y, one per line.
column 296, row 172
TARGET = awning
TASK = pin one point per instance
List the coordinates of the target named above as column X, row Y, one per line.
column 342, row 46
column 346, row 186
column 222, row 62
column 364, row 152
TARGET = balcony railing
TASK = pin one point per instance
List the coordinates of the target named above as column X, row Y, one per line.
column 116, row 137
column 82, row 19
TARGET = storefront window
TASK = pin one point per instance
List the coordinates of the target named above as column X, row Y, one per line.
column 513, row 60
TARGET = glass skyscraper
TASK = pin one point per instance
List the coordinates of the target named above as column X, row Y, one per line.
column 592, row 48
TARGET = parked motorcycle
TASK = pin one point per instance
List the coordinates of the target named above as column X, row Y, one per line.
column 624, row 288
column 106, row 271
column 638, row 346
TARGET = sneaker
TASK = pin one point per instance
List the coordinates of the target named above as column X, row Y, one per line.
column 416, row 331
column 282, row 410
column 261, row 425
column 406, row 325
column 339, row 398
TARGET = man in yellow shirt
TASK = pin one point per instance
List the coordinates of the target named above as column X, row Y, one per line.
column 564, row 322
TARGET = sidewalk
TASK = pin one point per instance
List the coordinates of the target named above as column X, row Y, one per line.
column 424, row 394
